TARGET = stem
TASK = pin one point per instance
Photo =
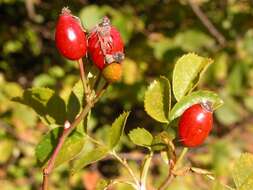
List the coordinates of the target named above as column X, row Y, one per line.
column 170, row 176
column 207, row 23
column 97, row 80
column 130, row 171
column 101, row 92
column 227, row 186
column 144, row 172
column 67, row 130
column 124, row 182
column 83, row 77
column 181, row 156
column 168, row 179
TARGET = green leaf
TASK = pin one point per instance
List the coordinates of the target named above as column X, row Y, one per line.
column 48, row 105
column 71, row 147
column 194, row 98
column 157, row 99
column 117, row 129
column 187, row 70
column 89, row 157
column 243, row 172
column 141, row 137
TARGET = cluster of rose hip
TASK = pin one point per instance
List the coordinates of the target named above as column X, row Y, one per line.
column 105, row 48
column 103, row 44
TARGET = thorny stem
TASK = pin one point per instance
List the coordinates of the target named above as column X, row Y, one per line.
column 170, row 176
column 130, row 171
column 68, row 128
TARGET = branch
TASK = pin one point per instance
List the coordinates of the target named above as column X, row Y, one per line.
column 83, row 79
column 130, row 171
column 207, row 23
column 173, row 167
column 68, row 128
column 168, row 179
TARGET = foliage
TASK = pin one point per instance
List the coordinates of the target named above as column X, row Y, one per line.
column 156, row 35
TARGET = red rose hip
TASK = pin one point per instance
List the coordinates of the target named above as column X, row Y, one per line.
column 195, row 124
column 70, row 37
column 105, row 45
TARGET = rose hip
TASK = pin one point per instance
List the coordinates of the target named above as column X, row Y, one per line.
column 105, row 45
column 70, row 37
column 195, row 124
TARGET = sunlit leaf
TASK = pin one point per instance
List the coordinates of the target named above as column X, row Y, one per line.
column 187, row 70
column 117, row 129
column 157, row 99
column 194, row 98
column 89, row 157
column 46, row 103
column 141, row 137
column 71, row 147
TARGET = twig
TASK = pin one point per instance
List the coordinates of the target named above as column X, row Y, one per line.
column 173, row 166
column 68, row 128
column 225, row 185
column 101, row 92
column 207, row 23
column 168, row 179
column 144, row 171
column 130, row 171
column 83, row 77
column 181, row 156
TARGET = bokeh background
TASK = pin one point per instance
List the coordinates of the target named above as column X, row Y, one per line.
column 156, row 33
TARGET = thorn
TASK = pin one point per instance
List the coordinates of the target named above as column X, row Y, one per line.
column 67, row 124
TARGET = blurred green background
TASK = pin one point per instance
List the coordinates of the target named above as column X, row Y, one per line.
column 156, row 33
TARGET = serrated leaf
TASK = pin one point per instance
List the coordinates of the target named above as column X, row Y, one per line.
column 194, row 98
column 71, row 147
column 48, row 105
column 89, row 157
column 187, row 69
column 117, row 129
column 157, row 99
column 243, row 172
column 141, row 137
